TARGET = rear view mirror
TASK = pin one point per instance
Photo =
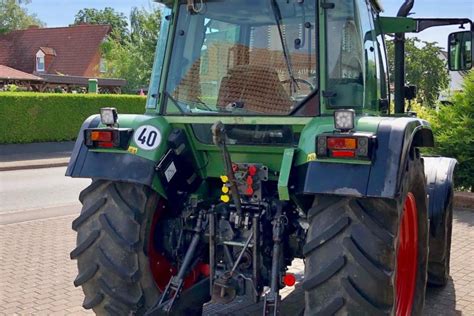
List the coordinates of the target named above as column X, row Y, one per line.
column 460, row 51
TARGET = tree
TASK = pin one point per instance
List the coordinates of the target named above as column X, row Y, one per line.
column 424, row 68
column 109, row 16
column 129, row 51
column 14, row 16
column 132, row 59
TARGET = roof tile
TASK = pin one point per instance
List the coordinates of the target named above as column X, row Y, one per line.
column 48, row 51
column 13, row 74
column 75, row 47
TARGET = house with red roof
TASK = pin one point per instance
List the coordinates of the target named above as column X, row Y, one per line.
column 64, row 57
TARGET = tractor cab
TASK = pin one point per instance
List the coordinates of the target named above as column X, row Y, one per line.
column 265, row 58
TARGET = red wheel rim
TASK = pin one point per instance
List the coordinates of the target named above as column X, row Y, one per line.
column 161, row 268
column 407, row 258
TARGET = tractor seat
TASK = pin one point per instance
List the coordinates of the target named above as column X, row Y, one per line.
column 257, row 88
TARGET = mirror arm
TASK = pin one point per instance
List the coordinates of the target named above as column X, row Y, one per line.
column 423, row 24
column 388, row 25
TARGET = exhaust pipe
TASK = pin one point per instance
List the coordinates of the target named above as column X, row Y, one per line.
column 400, row 60
column 406, row 8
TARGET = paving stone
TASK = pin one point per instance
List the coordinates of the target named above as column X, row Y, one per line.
column 36, row 273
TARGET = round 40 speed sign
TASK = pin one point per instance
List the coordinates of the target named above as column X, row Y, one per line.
column 147, row 137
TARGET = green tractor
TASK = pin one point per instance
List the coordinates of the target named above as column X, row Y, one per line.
column 267, row 136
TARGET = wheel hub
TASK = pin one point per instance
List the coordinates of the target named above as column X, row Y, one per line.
column 161, row 267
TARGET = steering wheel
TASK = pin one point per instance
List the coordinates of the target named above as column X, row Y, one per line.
column 299, row 80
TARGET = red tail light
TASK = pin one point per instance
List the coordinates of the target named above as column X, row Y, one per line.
column 105, row 145
column 357, row 145
column 343, row 154
column 289, row 279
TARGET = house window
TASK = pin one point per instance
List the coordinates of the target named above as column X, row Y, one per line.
column 103, row 65
column 40, row 63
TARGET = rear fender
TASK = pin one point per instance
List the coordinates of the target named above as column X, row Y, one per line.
column 396, row 137
column 136, row 165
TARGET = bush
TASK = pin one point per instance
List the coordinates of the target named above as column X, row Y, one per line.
column 11, row 88
column 40, row 117
column 454, row 133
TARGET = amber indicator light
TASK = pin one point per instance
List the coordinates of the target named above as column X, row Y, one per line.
column 341, row 143
column 102, row 136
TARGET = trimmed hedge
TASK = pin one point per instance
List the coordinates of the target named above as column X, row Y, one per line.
column 43, row 117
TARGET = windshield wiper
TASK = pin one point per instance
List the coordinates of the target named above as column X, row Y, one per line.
column 203, row 104
column 176, row 103
column 286, row 55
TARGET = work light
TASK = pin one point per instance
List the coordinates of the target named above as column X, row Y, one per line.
column 108, row 116
column 344, row 120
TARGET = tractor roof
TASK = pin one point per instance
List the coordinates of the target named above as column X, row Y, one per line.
column 375, row 3
column 168, row 3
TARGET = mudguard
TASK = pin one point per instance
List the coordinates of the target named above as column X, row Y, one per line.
column 135, row 165
column 395, row 138
column 439, row 186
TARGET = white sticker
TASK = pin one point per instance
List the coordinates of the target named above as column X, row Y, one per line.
column 147, row 137
column 170, row 172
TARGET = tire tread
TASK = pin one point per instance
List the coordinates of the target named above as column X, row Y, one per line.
column 326, row 273
column 108, row 248
column 357, row 295
column 91, row 302
column 326, row 236
column 120, row 240
column 87, row 213
column 365, row 261
column 86, row 244
column 86, row 275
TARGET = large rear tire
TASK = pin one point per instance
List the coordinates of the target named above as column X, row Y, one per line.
column 113, row 266
column 113, row 236
column 357, row 254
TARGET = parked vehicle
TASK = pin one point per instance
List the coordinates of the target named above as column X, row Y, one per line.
column 267, row 137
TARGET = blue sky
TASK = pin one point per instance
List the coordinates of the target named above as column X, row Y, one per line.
column 61, row 13
column 438, row 9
